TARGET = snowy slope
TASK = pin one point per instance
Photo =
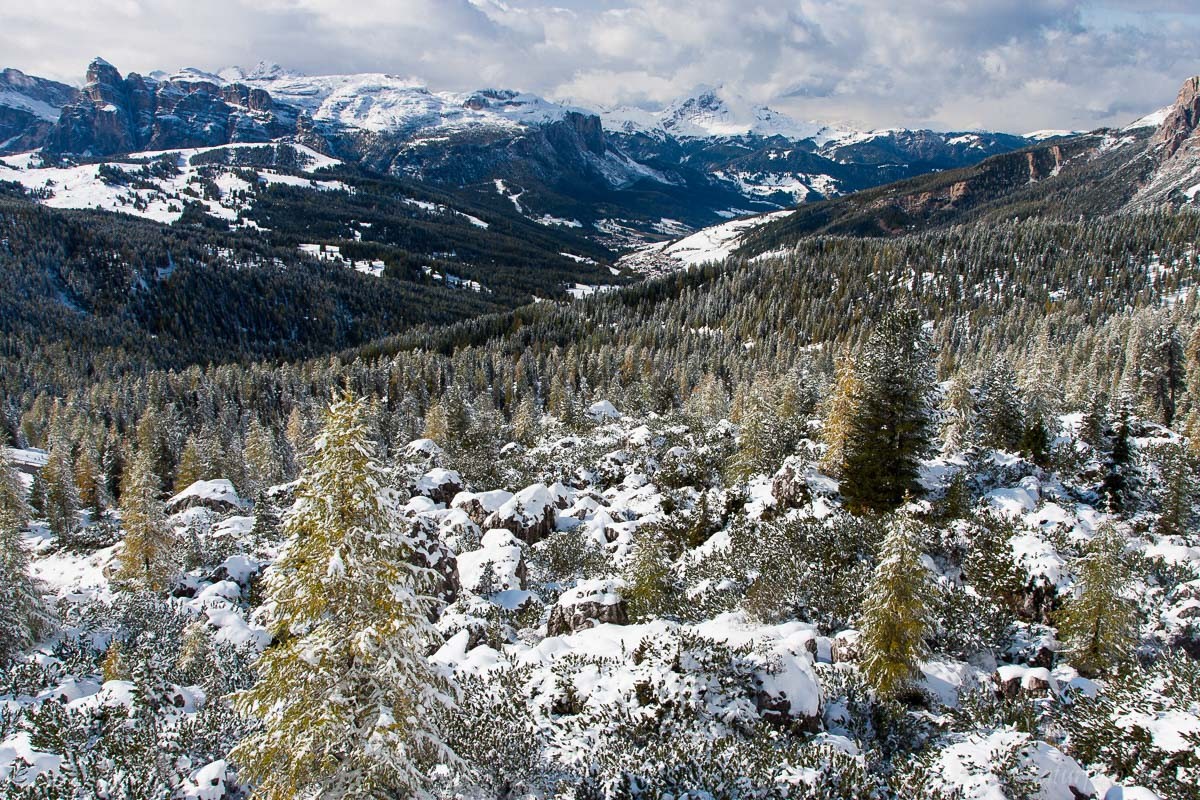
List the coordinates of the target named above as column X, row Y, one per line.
column 709, row 244
column 160, row 199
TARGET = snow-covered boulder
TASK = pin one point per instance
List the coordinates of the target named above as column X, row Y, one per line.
column 432, row 552
column 498, row 564
column 529, row 514
column 439, row 485
column 967, row 766
column 602, row 411
column 423, row 450
column 846, row 646
column 790, row 695
column 218, row 495
column 207, row 783
column 589, row 604
column 479, row 505
column 1013, row 680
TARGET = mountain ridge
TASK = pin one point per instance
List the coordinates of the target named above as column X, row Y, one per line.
column 705, row 160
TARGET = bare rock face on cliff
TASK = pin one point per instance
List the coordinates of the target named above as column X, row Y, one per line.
column 1174, row 149
column 29, row 107
column 1178, row 129
column 115, row 114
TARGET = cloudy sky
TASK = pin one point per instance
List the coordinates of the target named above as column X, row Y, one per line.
column 1014, row 65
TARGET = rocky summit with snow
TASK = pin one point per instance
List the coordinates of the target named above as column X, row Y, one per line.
column 362, row 439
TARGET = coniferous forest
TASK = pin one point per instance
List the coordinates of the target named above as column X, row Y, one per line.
column 860, row 511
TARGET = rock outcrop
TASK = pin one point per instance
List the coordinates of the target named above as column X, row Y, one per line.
column 589, row 604
column 1179, row 126
column 115, row 114
column 218, row 496
column 29, row 107
column 530, row 514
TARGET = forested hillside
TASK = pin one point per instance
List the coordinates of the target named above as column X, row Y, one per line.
column 902, row 517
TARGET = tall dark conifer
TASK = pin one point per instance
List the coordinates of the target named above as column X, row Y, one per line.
column 893, row 427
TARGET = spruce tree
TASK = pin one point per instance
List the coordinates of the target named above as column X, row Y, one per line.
column 1099, row 625
column 25, row 616
column 1162, row 372
column 266, row 520
column 149, row 558
column 895, row 616
column 1176, row 491
column 1000, row 419
column 958, row 409
column 1120, row 483
column 346, row 698
column 892, row 428
column 61, row 505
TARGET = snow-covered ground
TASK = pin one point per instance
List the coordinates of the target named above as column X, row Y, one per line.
column 154, row 196
column 715, row 243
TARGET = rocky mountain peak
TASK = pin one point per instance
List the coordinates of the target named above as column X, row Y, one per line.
column 1181, row 121
column 102, row 72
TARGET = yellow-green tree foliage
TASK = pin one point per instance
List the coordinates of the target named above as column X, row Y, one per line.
column 347, row 700
column 1099, row 625
column 149, row 559
column 895, row 615
column 841, row 409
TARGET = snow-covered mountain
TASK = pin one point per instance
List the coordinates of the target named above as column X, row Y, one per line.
column 706, row 157
column 713, row 112
column 29, row 106
column 381, row 103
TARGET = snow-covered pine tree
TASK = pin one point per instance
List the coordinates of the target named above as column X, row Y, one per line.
column 150, row 556
column 1121, row 479
column 1099, row 625
column 1162, row 372
column 26, row 617
column 840, row 411
column 895, row 616
column 758, row 433
column 345, row 695
column 1000, row 419
column 958, row 410
column 266, row 520
column 893, row 426
column 1176, row 490
column 263, row 467
column 62, row 497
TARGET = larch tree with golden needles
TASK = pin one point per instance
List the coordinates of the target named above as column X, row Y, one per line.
column 841, row 410
column 896, row 618
column 347, row 700
column 150, row 557
column 1100, row 623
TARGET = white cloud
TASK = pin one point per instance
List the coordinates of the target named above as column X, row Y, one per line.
column 1004, row 64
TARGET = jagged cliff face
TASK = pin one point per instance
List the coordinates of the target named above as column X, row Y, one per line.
column 1175, row 151
column 1178, row 129
column 29, row 107
column 116, row 114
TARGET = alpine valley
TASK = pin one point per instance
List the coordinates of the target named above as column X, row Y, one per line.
column 366, row 440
